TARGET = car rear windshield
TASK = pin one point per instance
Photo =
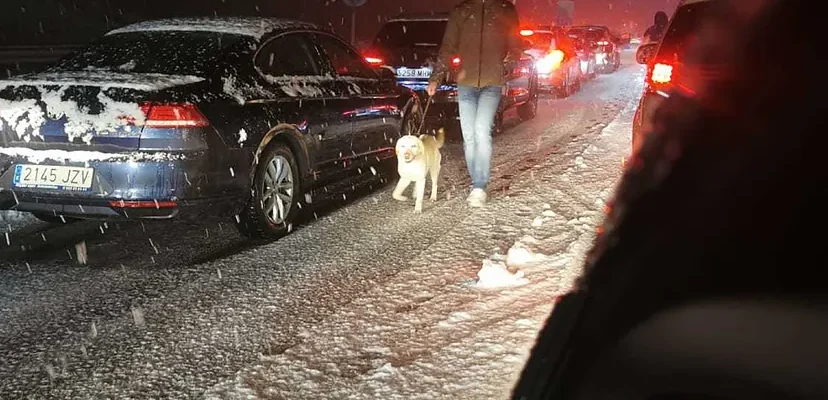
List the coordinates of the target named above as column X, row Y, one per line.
column 171, row 53
column 680, row 34
column 592, row 35
column 540, row 40
column 411, row 34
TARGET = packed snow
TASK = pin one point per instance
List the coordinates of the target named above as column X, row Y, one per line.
column 255, row 27
column 80, row 156
column 150, row 82
column 425, row 334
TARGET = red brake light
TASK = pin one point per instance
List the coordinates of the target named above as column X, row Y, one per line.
column 527, row 32
column 661, row 73
column 455, row 61
column 173, row 116
column 374, row 60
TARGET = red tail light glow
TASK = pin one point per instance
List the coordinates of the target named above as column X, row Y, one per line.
column 173, row 116
column 527, row 32
column 455, row 61
column 550, row 62
column 374, row 60
column 661, row 73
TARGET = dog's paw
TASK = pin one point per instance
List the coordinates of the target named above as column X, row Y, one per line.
column 433, row 197
column 400, row 198
column 418, row 211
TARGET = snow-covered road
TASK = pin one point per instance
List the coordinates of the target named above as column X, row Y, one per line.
column 366, row 301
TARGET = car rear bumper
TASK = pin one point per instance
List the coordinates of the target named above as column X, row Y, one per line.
column 554, row 80
column 120, row 189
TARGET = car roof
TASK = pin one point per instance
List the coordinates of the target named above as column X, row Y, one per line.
column 255, row 27
column 405, row 17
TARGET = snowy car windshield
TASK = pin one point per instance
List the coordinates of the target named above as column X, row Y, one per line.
column 171, row 53
column 398, row 34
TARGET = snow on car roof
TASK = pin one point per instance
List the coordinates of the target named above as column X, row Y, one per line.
column 255, row 27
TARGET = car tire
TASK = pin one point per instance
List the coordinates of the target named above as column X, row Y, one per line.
column 529, row 110
column 275, row 195
column 54, row 219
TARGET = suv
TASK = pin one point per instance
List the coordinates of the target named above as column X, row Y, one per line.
column 408, row 44
column 664, row 60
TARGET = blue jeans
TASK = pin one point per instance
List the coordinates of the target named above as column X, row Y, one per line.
column 478, row 107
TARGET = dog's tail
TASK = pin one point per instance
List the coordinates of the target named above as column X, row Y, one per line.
column 441, row 137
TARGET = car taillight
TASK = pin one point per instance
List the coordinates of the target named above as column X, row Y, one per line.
column 661, row 73
column 173, row 116
column 374, row 60
column 527, row 32
column 550, row 62
column 455, row 61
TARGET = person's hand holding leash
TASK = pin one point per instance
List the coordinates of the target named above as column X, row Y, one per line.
column 432, row 88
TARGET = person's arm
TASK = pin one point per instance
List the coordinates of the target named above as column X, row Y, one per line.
column 515, row 44
column 448, row 49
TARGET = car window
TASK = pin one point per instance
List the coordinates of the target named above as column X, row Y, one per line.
column 287, row 55
column 344, row 60
column 398, row 34
column 171, row 53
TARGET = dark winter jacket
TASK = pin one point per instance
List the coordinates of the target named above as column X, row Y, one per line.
column 656, row 31
column 481, row 46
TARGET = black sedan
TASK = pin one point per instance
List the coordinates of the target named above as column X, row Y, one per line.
column 161, row 117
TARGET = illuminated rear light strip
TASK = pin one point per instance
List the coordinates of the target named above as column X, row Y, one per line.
column 374, row 60
column 142, row 204
column 662, row 73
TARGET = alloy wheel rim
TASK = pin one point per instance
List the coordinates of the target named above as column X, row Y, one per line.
column 277, row 193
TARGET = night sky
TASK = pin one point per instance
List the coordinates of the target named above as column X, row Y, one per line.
column 31, row 22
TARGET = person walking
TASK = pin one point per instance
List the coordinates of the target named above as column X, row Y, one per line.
column 484, row 35
column 659, row 27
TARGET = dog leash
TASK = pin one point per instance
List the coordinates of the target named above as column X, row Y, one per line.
column 422, row 120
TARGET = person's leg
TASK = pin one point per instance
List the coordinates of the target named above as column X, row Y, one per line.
column 467, row 97
column 487, row 106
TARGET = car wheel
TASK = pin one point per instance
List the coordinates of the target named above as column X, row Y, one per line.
column 529, row 110
column 276, row 189
column 54, row 219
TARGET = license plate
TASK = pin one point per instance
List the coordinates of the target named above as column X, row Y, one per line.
column 414, row 72
column 53, row 177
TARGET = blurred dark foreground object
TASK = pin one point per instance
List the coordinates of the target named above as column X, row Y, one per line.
column 707, row 281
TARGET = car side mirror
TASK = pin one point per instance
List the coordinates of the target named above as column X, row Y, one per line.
column 646, row 53
column 387, row 73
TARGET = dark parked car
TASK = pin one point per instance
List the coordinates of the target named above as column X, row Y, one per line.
column 156, row 117
column 408, row 45
column 557, row 62
column 606, row 47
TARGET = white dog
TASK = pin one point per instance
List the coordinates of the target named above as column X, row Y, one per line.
column 418, row 157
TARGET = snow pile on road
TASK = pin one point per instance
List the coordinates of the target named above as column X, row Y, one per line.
column 429, row 332
column 495, row 275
